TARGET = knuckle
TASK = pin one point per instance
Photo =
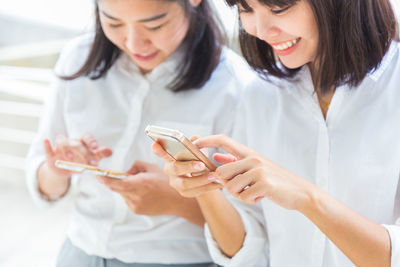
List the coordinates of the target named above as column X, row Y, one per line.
column 219, row 172
column 254, row 160
column 229, row 187
column 259, row 171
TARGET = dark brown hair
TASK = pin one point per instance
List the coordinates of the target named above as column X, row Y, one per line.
column 354, row 36
column 202, row 49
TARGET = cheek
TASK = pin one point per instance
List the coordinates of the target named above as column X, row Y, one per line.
column 114, row 35
column 172, row 37
column 248, row 25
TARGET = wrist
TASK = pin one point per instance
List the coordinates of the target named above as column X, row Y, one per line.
column 51, row 185
column 209, row 196
column 311, row 201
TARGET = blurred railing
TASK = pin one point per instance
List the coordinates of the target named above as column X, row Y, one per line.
column 25, row 76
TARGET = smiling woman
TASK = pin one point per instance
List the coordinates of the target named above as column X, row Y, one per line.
column 149, row 32
column 156, row 61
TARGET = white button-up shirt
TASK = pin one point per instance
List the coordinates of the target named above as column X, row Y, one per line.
column 354, row 155
column 116, row 109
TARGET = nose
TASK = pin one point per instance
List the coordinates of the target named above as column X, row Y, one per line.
column 266, row 28
column 136, row 40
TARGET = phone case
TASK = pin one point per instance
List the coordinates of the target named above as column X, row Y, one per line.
column 83, row 168
column 177, row 145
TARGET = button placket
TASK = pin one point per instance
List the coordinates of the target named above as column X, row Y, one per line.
column 119, row 157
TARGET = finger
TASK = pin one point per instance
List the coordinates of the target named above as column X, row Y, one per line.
column 115, row 184
column 48, row 150
column 253, row 194
column 62, row 145
column 182, row 168
column 224, row 158
column 138, row 166
column 186, row 183
column 102, row 152
column 241, row 182
column 159, row 151
column 81, row 152
column 230, row 170
column 90, row 142
column 194, row 138
column 226, row 143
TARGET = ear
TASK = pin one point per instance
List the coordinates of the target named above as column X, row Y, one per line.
column 195, row 3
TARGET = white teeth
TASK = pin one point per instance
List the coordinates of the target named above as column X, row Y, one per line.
column 284, row 46
column 145, row 55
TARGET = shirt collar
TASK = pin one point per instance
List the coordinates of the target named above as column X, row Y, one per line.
column 166, row 70
column 393, row 50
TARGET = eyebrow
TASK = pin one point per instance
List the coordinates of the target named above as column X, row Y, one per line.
column 156, row 17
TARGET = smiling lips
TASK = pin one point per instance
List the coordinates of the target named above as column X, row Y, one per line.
column 285, row 48
column 146, row 57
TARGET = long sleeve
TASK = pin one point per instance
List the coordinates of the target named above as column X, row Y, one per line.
column 254, row 251
column 51, row 125
column 394, row 231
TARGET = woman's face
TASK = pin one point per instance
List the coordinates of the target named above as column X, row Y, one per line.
column 292, row 33
column 148, row 31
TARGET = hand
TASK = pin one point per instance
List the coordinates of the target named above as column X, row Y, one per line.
column 84, row 150
column 187, row 177
column 146, row 191
column 250, row 177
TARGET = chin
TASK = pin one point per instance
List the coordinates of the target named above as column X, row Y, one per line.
column 292, row 64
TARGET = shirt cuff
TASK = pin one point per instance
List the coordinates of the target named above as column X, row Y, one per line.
column 33, row 187
column 394, row 233
column 254, row 251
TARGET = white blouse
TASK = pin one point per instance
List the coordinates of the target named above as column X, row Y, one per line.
column 354, row 155
column 116, row 109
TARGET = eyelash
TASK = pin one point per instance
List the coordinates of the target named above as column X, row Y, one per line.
column 150, row 29
column 279, row 11
column 276, row 12
column 156, row 28
column 115, row 25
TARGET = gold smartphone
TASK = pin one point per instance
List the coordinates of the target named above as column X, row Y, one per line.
column 83, row 168
column 177, row 145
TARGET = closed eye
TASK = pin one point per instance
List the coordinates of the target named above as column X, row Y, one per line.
column 280, row 11
column 115, row 25
column 157, row 27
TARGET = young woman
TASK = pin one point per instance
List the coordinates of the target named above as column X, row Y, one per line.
column 156, row 62
column 326, row 128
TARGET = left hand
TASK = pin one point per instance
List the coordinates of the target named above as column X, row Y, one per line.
column 146, row 191
column 250, row 177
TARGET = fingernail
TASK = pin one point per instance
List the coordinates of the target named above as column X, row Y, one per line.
column 93, row 162
column 212, row 176
column 70, row 155
column 199, row 166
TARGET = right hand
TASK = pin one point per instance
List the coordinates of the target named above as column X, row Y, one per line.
column 84, row 150
column 185, row 176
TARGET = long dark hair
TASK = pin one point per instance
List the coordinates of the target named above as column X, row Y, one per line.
column 202, row 44
column 354, row 36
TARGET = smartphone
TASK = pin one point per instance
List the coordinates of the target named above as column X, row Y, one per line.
column 177, row 145
column 83, row 168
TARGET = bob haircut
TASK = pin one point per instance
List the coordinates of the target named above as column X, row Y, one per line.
column 202, row 49
column 354, row 36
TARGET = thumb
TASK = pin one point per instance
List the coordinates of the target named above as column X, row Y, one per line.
column 49, row 152
column 138, row 166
